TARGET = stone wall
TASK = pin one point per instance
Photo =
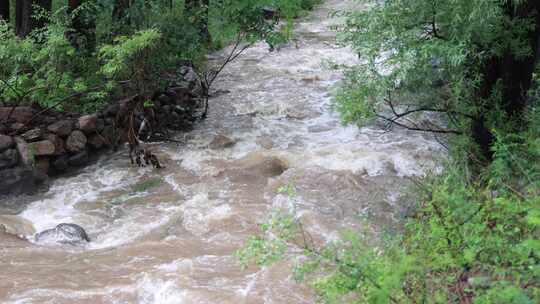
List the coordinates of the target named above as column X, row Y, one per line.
column 36, row 145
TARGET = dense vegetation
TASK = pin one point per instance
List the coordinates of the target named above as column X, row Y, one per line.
column 467, row 72
column 77, row 55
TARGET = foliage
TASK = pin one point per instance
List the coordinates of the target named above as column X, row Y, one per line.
column 62, row 65
column 43, row 67
column 129, row 58
column 437, row 57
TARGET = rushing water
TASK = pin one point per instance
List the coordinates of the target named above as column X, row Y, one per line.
column 169, row 236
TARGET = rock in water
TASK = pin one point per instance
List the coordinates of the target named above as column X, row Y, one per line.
column 221, row 141
column 71, row 234
column 17, row 181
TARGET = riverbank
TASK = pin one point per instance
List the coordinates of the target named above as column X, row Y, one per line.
column 37, row 143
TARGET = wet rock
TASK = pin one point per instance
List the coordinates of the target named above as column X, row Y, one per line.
column 189, row 78
column 87, row 123
column 17, row 126
column 256, row 167
column 18, row 181
column 61, row 164
column 33, row 135
column 167, row 109
column 296, row 114
column 61, row 128
column 319, row 129
column 19, row 114
column 267, row 167
column 24, row 152
column 265, row 142
column 96, row 141
column 164, row 99
column 9, row 159
column 43, row 165
column 311, row 79
column 49, row 120
column 66, row 234
column 41, row 148
column 76, row 141
column 221, row 141
column 100, row 124
column 59, row 147
column 6, row 142
column 16, row 225
column 79, row 159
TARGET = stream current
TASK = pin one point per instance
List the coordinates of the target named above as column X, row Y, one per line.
column 169, row 236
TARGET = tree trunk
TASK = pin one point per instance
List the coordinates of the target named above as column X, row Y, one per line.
column 25, row 21
column 23, row 12
column 73, row 4
column 4, row 10
column 513, row 73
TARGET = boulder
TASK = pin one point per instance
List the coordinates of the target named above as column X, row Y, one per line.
column 18, row 181
column 189, row 78
column 19, row 114
column 100, row 124
column 25, row 154
column 76, row 141
column 59, row 146
column 43, row 165
column 87, row 123
column 79, row 159
column 96, row 141
column 9, row 159
column 17, row 126
column 66, row 234
column 164, row 99
column 42, row 148
column 16, row 225
column 61, row 128
column 221, row 141
column 6, row 142
column 265, row 142
column 61, row 164
column 33, row 135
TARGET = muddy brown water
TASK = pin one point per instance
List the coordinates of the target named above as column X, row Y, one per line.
column 169, row 236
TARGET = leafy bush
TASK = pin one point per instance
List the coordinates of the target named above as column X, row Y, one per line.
column 63, row 67
column 41, row 68
column 129, row 59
